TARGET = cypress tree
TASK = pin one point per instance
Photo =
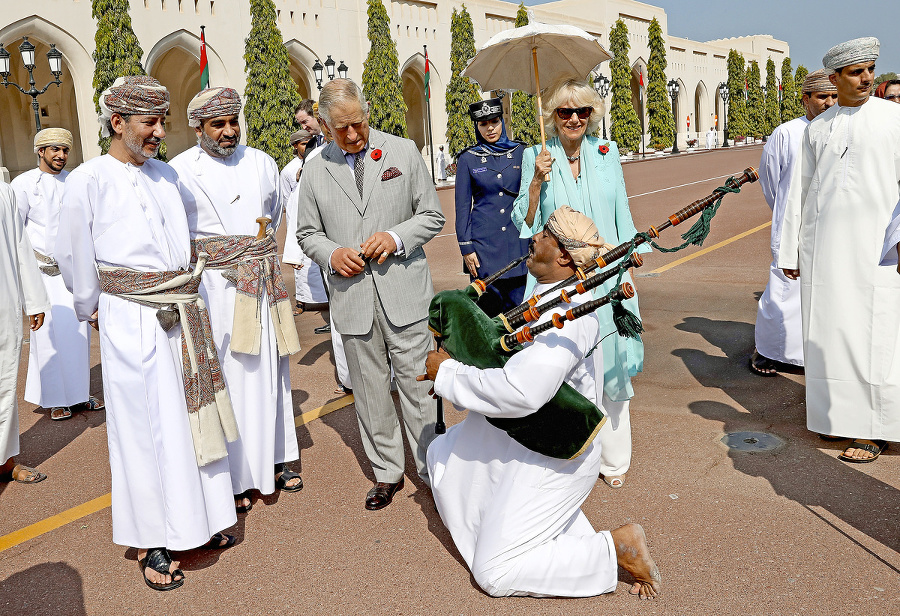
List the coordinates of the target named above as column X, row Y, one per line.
column 271, row 94
column 756, row 111
column 790, row 105
column 773, row 114
column 659, row 109
column 799, row 77
column 117, row 52
column 461, row 92
column 523, row 109
column 737, row 104
column 381, row 75
column 626, row 128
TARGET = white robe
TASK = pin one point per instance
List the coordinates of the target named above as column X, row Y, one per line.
column 120, row 215
column 310, row 287
column 59, row 366
column 21, row 290
column 779, row 327
column 514, row 514
column 288, row 176
column 227, row 195
column 844, row 189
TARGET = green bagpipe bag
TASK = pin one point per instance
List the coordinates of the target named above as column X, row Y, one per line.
column 562, row 428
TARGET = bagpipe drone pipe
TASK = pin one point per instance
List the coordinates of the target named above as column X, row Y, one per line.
column 565, row 426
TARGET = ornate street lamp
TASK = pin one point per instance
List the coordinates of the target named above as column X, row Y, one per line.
column 601, row 84
column 673, row 88
column 317, row 71
column 54, row 57
column 342, row 70
column 329, row 67
column 723, row 92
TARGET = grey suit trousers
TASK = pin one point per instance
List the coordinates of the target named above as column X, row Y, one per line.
column 369, row 359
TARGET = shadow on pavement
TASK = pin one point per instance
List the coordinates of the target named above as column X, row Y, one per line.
column 43, row 587
column 800, row 471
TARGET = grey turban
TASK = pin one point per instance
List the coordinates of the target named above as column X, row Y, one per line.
column 852, row 52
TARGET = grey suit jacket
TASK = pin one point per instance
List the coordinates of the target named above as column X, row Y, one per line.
column 331, row 214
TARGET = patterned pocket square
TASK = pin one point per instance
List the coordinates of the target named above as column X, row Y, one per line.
column 390, row 174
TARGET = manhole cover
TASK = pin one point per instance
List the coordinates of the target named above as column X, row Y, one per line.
column 752, row 441
column 647, row 275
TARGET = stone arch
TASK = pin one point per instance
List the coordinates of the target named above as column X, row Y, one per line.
column 412, row 78
column 702, row 114
column 637, row 68
column 301, row 60
column 682, row 108
column 69, row 105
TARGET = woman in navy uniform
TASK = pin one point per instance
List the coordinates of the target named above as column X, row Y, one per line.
column 487, row 182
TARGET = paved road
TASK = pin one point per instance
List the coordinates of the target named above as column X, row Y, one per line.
column 789, row 531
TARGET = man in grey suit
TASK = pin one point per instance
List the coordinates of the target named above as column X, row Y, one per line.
column 367, row 205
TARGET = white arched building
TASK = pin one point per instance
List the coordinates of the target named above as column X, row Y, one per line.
column 169, row 30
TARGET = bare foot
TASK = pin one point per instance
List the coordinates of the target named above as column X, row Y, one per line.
column 634, row 556
column 155, row 576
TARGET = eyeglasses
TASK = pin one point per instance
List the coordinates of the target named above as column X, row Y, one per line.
column 583, row 113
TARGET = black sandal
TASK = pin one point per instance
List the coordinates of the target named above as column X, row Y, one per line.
column 160, row 561
column 242, row 496
column 763, row 366
column 281, row 482
column 215, row 542
column 874, row 447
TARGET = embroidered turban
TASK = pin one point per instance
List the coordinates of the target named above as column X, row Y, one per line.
column 132, row 95
column 577, row 234
column 300, row 135
column 852, row 52
column 53, row 136
column 818, row 81
column 213, row 103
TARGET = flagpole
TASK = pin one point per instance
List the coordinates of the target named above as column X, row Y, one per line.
column 641, row 96
column 428, row 113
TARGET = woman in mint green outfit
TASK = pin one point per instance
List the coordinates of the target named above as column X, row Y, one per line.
column 585, row 173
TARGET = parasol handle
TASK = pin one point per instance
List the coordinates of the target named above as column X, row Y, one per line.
column 540, row 104
column 261, row 235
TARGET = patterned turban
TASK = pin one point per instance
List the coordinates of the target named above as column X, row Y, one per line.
column 818, row 81
column 577, row 234
column 133, row 95
column 300, row 135
column 852, row 52
column 53, row 136
column 213, row 103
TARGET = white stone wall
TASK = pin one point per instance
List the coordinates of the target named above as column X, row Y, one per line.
column 169, row 31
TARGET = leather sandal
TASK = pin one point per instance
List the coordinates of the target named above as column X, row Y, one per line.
column 281, row 481
column 59, row 413
column 160, row 561
column 872, row 446
column 32, row 475
column 242, row 496
column 215, row 542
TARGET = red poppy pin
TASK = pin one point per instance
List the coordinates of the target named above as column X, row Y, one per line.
column 603, row 149
column 376, row 154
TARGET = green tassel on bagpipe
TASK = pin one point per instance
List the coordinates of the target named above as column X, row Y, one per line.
column 627, row 323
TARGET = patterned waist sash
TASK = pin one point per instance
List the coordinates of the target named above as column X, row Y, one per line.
column 176, row 294
column 252, row 265
column 46, row 264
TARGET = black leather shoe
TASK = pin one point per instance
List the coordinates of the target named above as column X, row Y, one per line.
column 325, row 329
column 381, row 495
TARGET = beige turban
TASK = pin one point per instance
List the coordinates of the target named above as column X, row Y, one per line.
column 132, row 95
column 300, row 135
column 818, row 81
column 852, row 52
column 577, row 234
column 213, row 103
column 53, row 136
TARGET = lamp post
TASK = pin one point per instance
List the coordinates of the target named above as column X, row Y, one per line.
column 673, row 88
column 54, row 57
column 723, row 92
column 601, row 84
column 321, row 71
column 317, row 71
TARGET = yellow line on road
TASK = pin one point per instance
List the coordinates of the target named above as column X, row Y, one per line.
column 102, row 502
column 704, row 251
